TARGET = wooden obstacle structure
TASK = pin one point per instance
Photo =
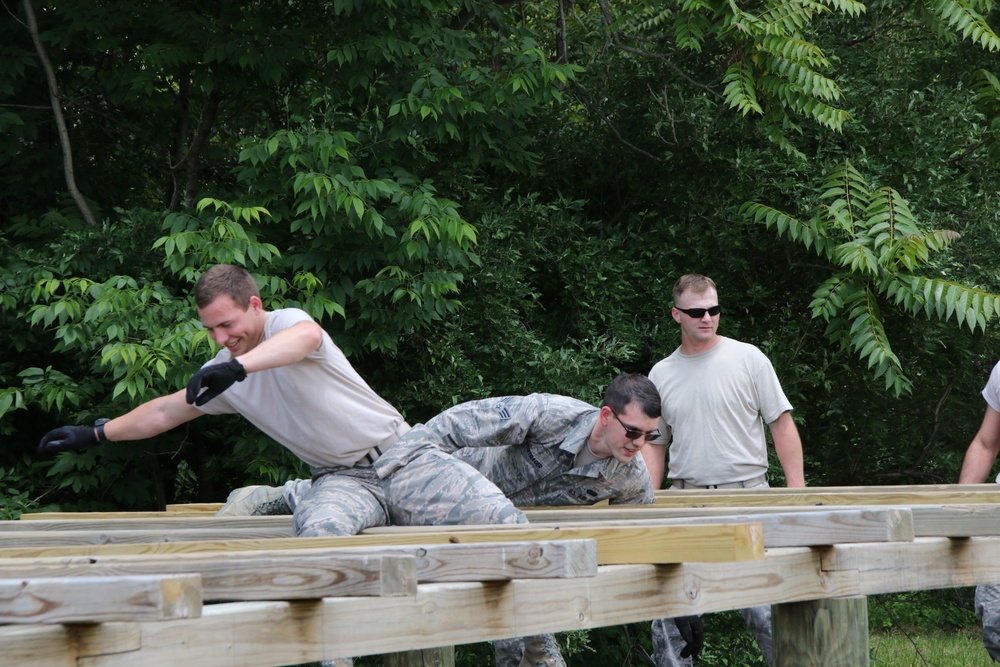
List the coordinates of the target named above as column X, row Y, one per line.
column 160, row 589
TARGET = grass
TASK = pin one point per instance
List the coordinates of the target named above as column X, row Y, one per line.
column 960, row 648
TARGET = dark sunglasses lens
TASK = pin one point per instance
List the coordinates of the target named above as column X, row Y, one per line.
column 698, row 313
column 633, row 434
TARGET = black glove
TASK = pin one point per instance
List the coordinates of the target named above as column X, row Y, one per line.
column 68, row 438
column 693, row 632
column 214, row 379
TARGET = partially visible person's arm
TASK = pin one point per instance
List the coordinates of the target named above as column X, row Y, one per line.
column 788, row 445
column 655, row 457
column 982, row 451
column 152, row 418
column 284, row 348
column 149, row 419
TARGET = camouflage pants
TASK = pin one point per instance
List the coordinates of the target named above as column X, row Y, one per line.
column 433, row 488
column 667, row 641
column 537, row 651
column 987, row 603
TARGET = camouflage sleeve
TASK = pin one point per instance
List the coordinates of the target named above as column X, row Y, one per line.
column 491, row 422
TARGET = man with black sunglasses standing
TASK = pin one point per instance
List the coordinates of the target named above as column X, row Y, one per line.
column 716, row 395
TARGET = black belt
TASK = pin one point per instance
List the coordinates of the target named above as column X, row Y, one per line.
column 753, row 481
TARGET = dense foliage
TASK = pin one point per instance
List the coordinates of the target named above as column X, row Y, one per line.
column 479, row 198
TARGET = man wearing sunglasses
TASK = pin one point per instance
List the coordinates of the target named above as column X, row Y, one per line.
column 716, row 395
column 540, row 450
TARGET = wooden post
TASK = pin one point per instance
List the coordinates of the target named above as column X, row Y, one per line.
column 820, row 633
column 442, row 656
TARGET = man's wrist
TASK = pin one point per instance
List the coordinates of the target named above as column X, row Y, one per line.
column 99, row 430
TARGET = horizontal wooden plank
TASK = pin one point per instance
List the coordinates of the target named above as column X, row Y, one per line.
column 781, row 529
column 634, row 544
column 754, row 498
column 886, row 488
column 314, row 573
column 52, row 538
column 155, row 597
column 161, row 521
column 47, row 516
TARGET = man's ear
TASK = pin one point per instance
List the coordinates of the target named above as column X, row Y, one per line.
column 256, row 303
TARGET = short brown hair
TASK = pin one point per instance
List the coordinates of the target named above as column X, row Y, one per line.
column 233, row 281
column 632, row 388
column 692, row 282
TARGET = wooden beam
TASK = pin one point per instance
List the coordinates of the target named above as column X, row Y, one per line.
column 100, row 599
column 41, row 538
column 821, row 633
column 634, row 544
column 162, row 521
column 973, row 520
column 749, row 498
column 46, row 516
column 889, row 488
column 924, row 564
column 315, row 573
column 790, row 528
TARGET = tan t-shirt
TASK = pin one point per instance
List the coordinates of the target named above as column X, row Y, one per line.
column 715, row 405
column 319, row 408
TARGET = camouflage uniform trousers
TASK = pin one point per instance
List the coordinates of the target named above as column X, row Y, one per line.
column 432, row 488
column 668, row 643
column 987, row 603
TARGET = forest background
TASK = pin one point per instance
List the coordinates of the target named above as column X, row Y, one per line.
column 488, row 198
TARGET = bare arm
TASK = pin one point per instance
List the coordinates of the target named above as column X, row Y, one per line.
column 982, row 451
column 655, row 457
column 789, row 447
column 284, row 348
column 152, row 418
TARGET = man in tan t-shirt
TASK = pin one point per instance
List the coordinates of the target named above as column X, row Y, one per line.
column 716, row 395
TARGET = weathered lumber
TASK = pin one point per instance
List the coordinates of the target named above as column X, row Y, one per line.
column 790, row 528
column 259, row 634
column 162, row 521
column 39, row 538
column 749, row 498
column 260, row 577
column 888, row 488
column 46, row 516
column 264, row 634
column 99, row 599
column 633, row 544
column 979, row 519
column 428, row 657
column 315, row 573
column 821, row 633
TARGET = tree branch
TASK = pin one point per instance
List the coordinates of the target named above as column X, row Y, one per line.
column 50, row 77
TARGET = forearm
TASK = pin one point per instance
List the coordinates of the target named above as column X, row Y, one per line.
column 284, row 348
column 151, row 418
column 977, row 463
column 788, row 445
column 655, row 457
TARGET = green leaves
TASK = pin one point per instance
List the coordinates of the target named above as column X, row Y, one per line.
column 875, row 242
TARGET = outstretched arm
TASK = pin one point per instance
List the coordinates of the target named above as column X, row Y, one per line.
column 152, row 418
column 788, row 445
column 982, row 451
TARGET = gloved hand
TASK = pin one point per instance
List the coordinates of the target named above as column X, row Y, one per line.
column 693, row 632
column 214, row 379
column 68, row 438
